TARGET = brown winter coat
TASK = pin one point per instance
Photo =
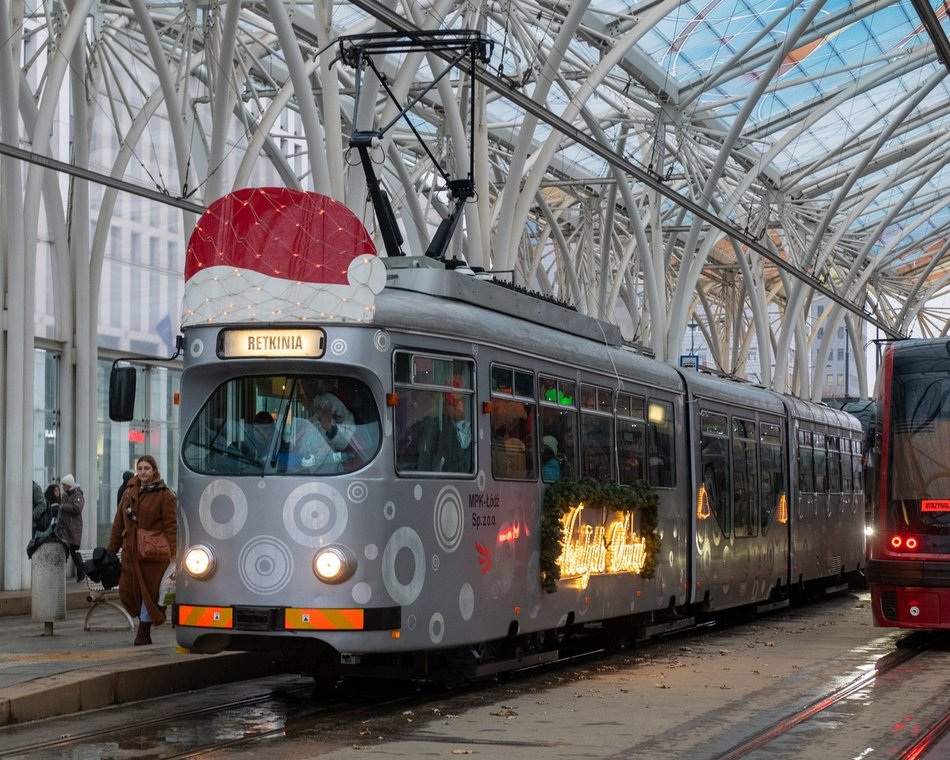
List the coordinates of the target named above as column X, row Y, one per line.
column 155, row 507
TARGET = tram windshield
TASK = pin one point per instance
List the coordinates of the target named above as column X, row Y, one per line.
column 284, row 424
column 920, row 453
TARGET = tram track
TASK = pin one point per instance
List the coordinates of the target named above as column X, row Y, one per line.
column 887, row 694
column 303, row 713
column 913, row 647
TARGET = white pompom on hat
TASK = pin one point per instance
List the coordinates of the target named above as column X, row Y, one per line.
column 68, row 481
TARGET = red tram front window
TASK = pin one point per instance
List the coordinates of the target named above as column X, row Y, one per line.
column 918, row 497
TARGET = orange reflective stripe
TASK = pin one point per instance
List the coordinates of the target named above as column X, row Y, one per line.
column 323, row 620
column 205, row 617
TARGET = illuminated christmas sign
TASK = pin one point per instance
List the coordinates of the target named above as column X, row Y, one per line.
column 600, row 546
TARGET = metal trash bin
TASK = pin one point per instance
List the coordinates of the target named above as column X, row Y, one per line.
column 48, row 587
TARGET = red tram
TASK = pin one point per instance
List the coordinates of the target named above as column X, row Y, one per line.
column 909, row 544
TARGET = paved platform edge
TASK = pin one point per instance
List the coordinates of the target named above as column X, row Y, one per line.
column 157, row 675
column 88, row 689
column 17, row 603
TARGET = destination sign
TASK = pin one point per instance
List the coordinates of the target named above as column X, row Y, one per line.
column 935, row 505
column 277, row 343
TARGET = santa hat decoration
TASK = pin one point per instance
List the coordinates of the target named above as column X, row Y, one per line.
column 274, row 254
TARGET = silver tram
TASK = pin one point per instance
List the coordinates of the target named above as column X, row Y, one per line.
column 368, row 488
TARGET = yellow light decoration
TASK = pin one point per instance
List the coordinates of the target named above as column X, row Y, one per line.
column 603, row 549
column 782, row 512
column 703, row 511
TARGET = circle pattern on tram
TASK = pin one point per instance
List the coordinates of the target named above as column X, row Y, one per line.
column 222, row 509
column 315, row 514
column 404, row 546
column 265, row 565
column 436, row 628
column 448, row 519
column 356, row 492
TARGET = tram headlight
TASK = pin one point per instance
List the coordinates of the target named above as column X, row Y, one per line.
column 199, row 561
column 333, row 564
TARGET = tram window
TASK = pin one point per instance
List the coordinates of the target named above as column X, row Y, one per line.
column 771, row 484
column 630, row 427
column 834, row 465
column 821, row 463
column 847, row 472
column 433, row 414
column 857, row 465
column 558, row 428
column 714, row 466
column 512, row 420
column 745, row 478
column 806, row 466
column 270, row 425
column 660, row 460
column 597, row 435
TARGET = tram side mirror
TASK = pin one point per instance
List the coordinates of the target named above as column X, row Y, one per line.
column 121, row 393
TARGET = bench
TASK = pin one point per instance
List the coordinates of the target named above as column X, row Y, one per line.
column 100, row 597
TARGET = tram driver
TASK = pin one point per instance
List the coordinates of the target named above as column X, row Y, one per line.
column 321, row 439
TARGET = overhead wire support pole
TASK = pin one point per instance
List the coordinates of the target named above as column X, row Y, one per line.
column 538, row 110
column 356, row 51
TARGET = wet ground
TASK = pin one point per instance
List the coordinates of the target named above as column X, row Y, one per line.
column 693, row 696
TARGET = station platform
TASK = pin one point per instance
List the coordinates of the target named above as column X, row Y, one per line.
column 74, row 669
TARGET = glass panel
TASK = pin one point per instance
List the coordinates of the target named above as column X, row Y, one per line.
column 623, row 404
column 558, row 436
column 597, row 446
column 821, row 469
column 588, row 397
column 834, row 466
column 919, row 449
column 502, row 380
column 714, row 466
column 630, row 450
column 806, row 470
column 284, row 424
column 46, row 421
column 745, row 485
column 771, row 483
column 433, row 419
column 661, row 462
column 512, row 445
column 524, row 384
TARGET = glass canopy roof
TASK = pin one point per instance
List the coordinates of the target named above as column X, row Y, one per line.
column 728, row 164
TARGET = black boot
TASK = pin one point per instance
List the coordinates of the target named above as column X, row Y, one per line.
column 144, row 634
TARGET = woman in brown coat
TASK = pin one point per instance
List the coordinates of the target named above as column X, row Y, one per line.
column 150, row 505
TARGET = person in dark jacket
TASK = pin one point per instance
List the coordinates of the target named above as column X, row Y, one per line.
column 69, row 525
column 53, row 496
column 147, row 504
column 126, row 477
column 44, row 520
column 41, row 510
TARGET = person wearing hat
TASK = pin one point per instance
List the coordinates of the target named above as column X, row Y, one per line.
column 550, row 465
column 69, row 525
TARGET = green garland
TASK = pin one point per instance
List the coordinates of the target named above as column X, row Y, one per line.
column 562, row 496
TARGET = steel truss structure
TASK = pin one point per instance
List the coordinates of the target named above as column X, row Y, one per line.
column 725, row 164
